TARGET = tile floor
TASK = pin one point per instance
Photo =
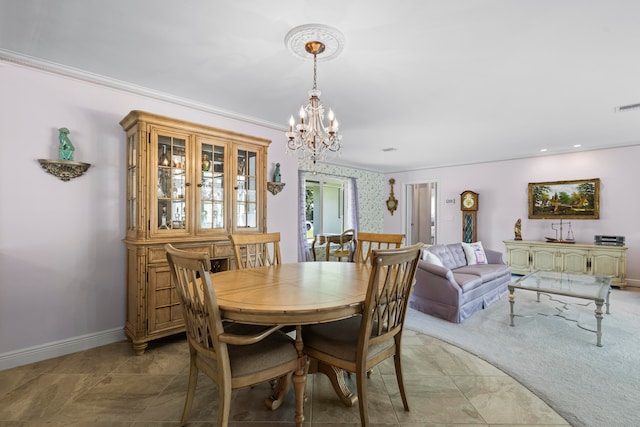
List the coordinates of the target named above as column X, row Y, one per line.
column 111, row 387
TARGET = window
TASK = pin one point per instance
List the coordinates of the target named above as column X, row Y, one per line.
column 324, row 206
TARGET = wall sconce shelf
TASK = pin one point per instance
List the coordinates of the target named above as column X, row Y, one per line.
column 64, row 169
column 275, row 187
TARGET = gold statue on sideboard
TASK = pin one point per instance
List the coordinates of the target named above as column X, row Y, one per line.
column 517, row 229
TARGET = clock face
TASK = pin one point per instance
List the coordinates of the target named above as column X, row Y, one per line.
column 468, row 201
column 392, row 204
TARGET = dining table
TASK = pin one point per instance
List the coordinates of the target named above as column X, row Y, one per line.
column 296, row 294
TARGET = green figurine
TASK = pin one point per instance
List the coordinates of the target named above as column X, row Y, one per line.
column 65, row 149
column 276, row 174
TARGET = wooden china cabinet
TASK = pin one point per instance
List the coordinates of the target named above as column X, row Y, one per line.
column 189, row 185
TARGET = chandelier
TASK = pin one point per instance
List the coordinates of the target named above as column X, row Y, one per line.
column 312, row 138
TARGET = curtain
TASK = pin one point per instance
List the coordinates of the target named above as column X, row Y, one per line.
column 303, row 246
column 353, row 221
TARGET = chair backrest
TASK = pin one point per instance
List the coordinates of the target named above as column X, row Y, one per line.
column 390, row 282
column 203, row 323
column 366, row 243
column 344, row 246
column 256, row 250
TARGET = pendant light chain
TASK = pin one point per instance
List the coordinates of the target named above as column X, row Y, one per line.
column 315, row 71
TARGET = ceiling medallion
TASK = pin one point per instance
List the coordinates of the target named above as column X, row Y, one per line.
column 331, row 38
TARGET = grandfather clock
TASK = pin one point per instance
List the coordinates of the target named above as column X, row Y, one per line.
column 469, row 207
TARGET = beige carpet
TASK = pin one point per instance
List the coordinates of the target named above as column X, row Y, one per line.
column 554, row 358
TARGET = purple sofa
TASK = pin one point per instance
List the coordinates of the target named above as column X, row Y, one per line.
column 455, row 290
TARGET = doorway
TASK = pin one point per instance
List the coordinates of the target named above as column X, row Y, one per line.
column 422, row 212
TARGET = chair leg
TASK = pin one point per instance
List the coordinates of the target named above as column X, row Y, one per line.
column 224, row 404
column 362, row 398
column 283, row 384
column 398, row 363
column 191, row 390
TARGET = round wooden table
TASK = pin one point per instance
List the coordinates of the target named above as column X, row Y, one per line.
column 296, row 294
column 292, row 294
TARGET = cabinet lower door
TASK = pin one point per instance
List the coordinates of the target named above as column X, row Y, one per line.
column 544, row 259
column 164, row 311
column 606, row 264
column 574, row 261
column 519, row 260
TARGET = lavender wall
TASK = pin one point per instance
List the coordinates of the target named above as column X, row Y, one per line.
column 502, row 187
column 62, row 262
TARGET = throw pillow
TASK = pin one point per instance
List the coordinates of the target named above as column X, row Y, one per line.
column 432, row 258
column 474, row 252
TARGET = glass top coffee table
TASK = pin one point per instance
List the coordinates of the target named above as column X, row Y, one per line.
column 594, row 288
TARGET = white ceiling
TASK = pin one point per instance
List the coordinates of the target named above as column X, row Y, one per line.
column 443, row 82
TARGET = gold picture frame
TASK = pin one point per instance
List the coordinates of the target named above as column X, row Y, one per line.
column 578, row 199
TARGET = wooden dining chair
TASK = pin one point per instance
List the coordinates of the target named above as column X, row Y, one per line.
column 368, row 242
column 344, row 248
column 359, row 343
column 234, row 355
column 256, row 250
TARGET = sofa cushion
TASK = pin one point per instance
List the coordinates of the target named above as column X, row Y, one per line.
column 452, row 255
column 467, row 282
column 486, row 272
column 431, row 258
column 474, row 252
column 458, row 254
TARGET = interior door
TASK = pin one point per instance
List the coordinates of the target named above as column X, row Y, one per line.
column 422, row 212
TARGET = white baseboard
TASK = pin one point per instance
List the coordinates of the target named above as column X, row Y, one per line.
column 635, row 283
column 59, row 348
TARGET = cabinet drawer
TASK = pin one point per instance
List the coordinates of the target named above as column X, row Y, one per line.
column 223, row 250
column 158, row 255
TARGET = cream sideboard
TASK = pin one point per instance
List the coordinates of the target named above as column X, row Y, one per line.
column 526, row 256
column 190, row 185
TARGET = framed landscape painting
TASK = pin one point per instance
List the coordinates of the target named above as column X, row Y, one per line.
column 578, row 199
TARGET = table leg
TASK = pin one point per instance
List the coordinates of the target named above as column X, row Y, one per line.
column 300, row 378
column 607, row 301
column 511, row 301
column 280, row 391
column 599, row 322
column 336, row 376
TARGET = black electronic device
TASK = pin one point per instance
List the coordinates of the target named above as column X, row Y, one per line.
column 609, row 240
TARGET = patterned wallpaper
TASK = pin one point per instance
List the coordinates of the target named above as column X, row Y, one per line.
column 370, row 193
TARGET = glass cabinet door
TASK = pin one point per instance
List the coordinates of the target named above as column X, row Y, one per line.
column 132, row 183
column 212, row 187
column 172, row 183
column 246, row 208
